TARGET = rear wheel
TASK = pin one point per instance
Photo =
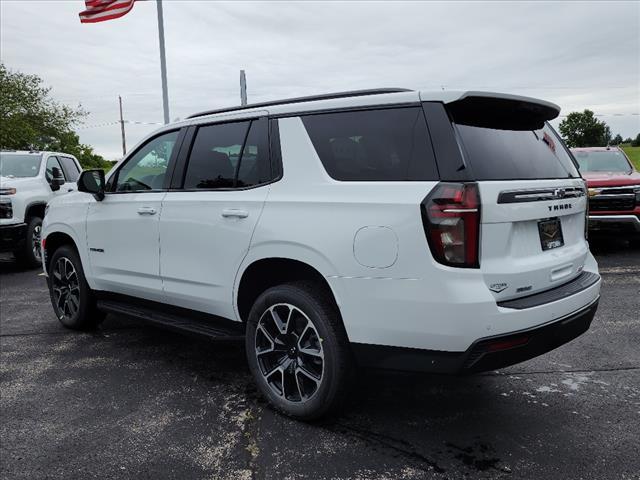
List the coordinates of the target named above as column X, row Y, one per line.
column 298, row 351
column 30, row 254
column 72, row 299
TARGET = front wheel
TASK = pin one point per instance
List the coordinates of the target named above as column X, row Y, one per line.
column 30, row 254
column 71, row 297
column 298, row 351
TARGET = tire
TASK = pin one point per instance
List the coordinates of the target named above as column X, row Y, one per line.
column 73, row 301
column 305, row 372
column 30, row 254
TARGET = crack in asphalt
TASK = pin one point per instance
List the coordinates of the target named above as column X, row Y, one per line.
column 506, row 374
column 402, row 447
column 92, row 334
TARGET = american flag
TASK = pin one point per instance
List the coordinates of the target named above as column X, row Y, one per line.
column 101, row 10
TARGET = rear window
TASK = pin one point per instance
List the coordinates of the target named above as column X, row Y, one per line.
column 373, row 145
column 506, row 146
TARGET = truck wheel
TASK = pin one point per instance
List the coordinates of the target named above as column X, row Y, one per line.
column 298, row 351
column 72, row 299
column 30, row 255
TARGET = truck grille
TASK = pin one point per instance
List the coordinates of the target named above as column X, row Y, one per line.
column 613, row 199
column 5, row 209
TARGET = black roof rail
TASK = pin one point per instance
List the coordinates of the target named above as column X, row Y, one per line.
column 312, row 98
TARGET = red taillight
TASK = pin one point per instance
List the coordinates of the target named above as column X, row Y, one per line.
column 499, row 345
column 451, row 218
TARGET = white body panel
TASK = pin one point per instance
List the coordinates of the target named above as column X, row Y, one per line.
column 510, row 243
column 365, row 238
column 123, row 241
column 204, row 236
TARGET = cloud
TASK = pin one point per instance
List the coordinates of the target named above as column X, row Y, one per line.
column 576, row 54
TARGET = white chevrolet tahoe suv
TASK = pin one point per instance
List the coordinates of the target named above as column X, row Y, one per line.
column 28, row 180
column 439, row 232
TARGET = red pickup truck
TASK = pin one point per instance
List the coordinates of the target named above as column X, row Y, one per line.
column 614, row 189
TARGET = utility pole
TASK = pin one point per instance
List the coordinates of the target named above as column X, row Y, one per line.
column 163, row 63
column 124, row 141
column 243, row 88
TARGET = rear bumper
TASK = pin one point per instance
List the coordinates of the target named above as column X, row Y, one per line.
column 630, row 221
column 12, row 237
column 488, row 353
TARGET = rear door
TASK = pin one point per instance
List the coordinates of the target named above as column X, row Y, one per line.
column 533, row 200
column 208, row 218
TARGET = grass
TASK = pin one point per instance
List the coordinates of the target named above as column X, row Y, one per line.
column 633, row 153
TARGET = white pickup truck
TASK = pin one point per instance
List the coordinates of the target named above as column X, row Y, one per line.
column 28, row 180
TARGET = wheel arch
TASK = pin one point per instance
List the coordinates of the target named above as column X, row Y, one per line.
column 259, row 274
column 56, row 236
column 35, row 209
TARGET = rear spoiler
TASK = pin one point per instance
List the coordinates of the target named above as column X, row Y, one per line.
column 502, row 111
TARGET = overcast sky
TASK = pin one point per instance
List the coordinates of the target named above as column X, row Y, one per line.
column 576, row 54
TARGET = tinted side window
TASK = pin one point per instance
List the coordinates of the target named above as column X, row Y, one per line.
column 254, row 164
column 373, row 145
column 70, row 168
column 146, row 169
column 51, row 163
column 215, row 155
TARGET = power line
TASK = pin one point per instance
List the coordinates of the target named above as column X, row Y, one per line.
column 108, row 124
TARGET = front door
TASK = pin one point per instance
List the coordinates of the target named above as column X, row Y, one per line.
column 69, row 182
column 123, row 229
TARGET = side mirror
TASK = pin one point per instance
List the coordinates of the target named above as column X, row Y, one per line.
column 58, row 180
column 92, row 181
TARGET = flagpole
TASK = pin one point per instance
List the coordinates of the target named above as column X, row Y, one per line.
column 163, row 63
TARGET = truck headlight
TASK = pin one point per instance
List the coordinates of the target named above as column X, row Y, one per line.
column 7, row 191
column 637, row 192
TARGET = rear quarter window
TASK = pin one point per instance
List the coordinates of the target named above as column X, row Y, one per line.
column 373, row 145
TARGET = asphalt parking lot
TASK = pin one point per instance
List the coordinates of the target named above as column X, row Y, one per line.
column 131, row 401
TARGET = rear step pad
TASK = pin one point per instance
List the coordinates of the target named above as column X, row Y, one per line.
column 578, row 284
column 208, row 325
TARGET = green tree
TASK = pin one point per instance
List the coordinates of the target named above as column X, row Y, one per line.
column 585, row 130
column 617, row 140
column 30, row 118
column 636, row 141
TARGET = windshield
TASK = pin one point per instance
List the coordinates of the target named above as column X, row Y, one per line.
column 12, row 165
column 609, row 161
